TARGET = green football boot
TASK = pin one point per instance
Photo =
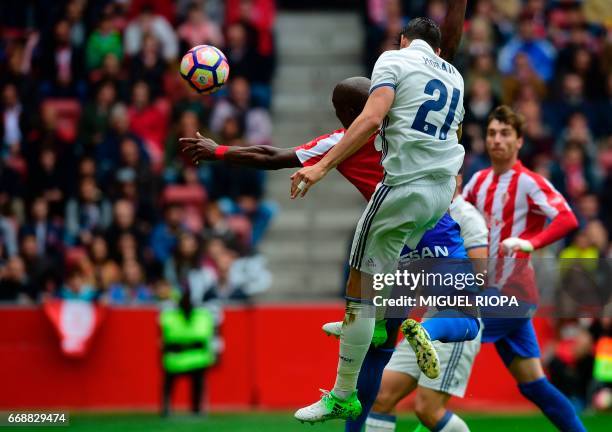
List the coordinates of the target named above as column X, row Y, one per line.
column 378, row 338
column 419, row 340
column 330, row 407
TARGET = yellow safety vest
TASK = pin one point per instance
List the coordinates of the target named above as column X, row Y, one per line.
column 603, row 360
column 189, row 340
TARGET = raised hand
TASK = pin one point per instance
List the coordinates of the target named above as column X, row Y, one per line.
column 199, row 149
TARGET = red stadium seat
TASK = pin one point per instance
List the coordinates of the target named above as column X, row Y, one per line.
column 241, row 227
column 68, row 113
column 193, row 198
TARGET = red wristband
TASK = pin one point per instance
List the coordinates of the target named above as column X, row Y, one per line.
column 220, row 152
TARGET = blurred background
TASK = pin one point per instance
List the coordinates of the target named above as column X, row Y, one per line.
column 103, row 224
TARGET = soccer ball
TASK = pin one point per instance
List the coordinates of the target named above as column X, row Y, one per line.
column 205, row 68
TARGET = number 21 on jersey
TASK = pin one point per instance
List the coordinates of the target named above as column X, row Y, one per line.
column 420, row 122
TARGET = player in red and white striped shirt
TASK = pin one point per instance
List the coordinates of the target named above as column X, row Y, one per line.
column 515, row 201
column 516, row 204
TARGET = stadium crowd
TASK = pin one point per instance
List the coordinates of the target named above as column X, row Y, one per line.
column 96, row 201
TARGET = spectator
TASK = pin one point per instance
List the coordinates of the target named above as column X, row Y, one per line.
column 95, row 117
column 571, row 100
column 257, row 124
column 158, row 26
column 239, row 189
column 480, row 38
column 587, row 208
column 148, row 66
column 524, row 75
column 598, row 236
column 540, row 52
column 108, row 154
column 585, row 65
column 188, row 100
column 86, row 167
column 48, row 179
column 76, row 20
column 106, row 272
column 148, row 121
column 65, row 63
column 113, row 72
column 259, row 15
column 237, row 278
column 198, row 29
column 88, row 212
column 132, row 288
column 480, row 102
column 581, row 247
column 227, row 286
column 573, row 176
column 11, row 192
column 104, row 40
column 76, row 288
column 13, row 122
column 130, row 159
column 185, row 270
column 483, row 66
column 128, row 249
column 243, row 56
column 537, row 137
column 188, row 126
column 13, row 280
column 127, row 188
column 49, row 234
column 40, row 269
column 17, row 70
column 8, row 238
column 577, row 132
column 124, row 222
column 165, row 235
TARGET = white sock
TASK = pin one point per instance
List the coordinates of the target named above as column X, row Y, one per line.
column 380, row 423
column 357, row 332
column 455, row 424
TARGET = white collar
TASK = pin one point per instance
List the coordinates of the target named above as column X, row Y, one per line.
column 421, row 44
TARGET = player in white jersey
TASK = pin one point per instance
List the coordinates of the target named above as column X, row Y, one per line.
column 402, row 375
column 416, row 99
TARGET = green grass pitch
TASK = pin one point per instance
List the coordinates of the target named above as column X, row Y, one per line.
column 283, row 422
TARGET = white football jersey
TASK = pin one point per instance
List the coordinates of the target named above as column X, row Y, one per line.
column 473, row 226
column 418, row 137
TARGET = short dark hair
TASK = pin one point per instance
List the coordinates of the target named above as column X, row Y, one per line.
column 425, row 29
column 505, row 114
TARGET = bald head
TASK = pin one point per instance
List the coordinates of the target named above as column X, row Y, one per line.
column 349, row 98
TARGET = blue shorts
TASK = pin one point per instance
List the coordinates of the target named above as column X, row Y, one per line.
column 512, row 337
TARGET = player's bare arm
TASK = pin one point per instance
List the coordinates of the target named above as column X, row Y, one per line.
column 452, row 29
column 356, row 136
column 259, row 156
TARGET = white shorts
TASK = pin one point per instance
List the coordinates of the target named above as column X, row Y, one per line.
column 397, row 216
column 456, row 359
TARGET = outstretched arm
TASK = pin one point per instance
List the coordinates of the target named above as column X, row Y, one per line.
column 366, row 124
column 259, row 156
column 452, row 28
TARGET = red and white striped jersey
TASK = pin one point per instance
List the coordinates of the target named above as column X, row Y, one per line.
column 518, row 203
column 362, row 168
